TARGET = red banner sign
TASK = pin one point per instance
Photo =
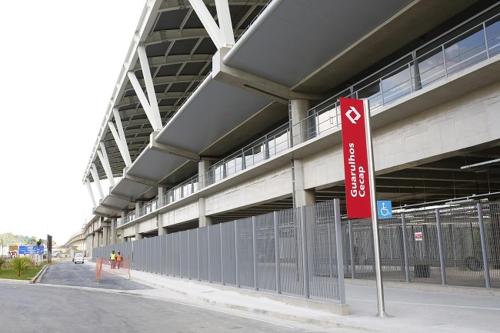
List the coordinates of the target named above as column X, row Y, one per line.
column 357, row 189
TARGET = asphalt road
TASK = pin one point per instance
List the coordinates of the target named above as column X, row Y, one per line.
column 70, row 274
column 43, row 308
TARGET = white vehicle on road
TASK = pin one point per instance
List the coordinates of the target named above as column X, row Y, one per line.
column 78, row 258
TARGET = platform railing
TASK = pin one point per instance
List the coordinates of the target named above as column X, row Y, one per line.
column 181, row 190
column 412, row 72
column 259, row 150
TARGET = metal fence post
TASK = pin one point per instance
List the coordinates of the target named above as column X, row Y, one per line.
column 405, row 248
column 188, row 256
column 340, row 252
column 351, row 250
column 132, row 257
column 484, row 246
column 208, row 253
column 442, row 262
column 277, row 253
column 305, row 259
column 254, row 250
column 221, row 261
column 198, row 253
column 237, row 269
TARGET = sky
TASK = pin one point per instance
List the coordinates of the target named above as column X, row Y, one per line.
column 60, row 61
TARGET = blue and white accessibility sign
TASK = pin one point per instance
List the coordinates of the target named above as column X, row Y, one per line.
column 384, row 209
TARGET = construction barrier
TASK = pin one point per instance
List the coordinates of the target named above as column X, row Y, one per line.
column 118, row 268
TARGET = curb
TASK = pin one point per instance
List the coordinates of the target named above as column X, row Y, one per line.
column 39, row 275
column 327, row 322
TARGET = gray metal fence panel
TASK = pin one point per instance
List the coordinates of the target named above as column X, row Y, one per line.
column 245, row 252
column 214, row 253
column 184, row 254
column 228, row 254
column 321, row 243
column 193, row 254
column 264, row 233
column 289, row 252
column 267, row 252
column 463, row 254
column 491, row 215
column 203, row 253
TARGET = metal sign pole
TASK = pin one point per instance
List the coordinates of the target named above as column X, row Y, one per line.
column 373, row 202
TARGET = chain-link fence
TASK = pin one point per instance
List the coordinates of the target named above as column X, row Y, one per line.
column 291, row 252
column 457, row 245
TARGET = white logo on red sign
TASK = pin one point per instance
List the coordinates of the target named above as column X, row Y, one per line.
column 353, row 115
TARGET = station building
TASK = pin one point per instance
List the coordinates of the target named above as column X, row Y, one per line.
column 229, row 109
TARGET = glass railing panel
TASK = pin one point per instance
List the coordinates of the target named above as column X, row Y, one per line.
column 465, row 50
column 328, row 119
column 493, row 36
column 249, row 158
column 396, row 84
column 430, row 67
column 258, row 153
column 372, row 93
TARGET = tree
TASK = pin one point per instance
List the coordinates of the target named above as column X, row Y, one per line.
column 21, row 264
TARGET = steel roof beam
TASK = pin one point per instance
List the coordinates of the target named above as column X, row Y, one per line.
column 176, row 59
column 97, row 181
column 140, row 180
column 172, row 79
column 120, row 138
column 153, row 144
column 149, row 103
column 103, row 157
column 91, row 193
column 222, row 36
column 136, row 99
column 172, row 5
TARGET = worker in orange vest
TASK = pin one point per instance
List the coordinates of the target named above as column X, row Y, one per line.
column 118, row 259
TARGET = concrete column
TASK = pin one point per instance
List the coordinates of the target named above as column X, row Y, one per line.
column 203, row 166
column 105, row 235
column 298, row 112
column 301, row 196
column 203, row 219
column 161, row 193
column 138, row 207
column 113, row 231
column 159, row 223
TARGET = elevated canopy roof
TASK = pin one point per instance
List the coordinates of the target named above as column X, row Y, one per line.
column 179, row 52
column 291, row 43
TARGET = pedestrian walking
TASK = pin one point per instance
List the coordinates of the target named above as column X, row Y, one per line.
column 112, row 259
column 119, row 259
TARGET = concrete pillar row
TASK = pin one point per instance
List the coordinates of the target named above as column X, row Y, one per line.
column 203, row 166
column 113, row 231
column 301, row 196
column 203, row 219
column 105, row 235
column 138, row 207
column 159, row 222
column 297, row 113
column 161, row 195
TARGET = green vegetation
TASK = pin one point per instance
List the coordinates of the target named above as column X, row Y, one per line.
column 20, row 268
column 11, row 239
column 21, row 264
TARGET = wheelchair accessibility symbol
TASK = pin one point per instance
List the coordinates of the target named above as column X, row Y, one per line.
column 384, row 209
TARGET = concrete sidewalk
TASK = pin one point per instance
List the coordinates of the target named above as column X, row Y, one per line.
column 412, row 308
